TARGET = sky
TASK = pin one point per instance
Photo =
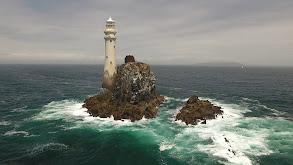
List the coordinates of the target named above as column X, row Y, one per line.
column 161, row 32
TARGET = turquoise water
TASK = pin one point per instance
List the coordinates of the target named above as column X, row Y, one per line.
column 42, row 122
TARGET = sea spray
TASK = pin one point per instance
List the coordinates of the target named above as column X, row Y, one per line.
column 223, row 137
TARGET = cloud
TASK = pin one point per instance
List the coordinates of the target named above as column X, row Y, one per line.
column 156, row 31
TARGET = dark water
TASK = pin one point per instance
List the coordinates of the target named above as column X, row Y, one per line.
column 42, row 122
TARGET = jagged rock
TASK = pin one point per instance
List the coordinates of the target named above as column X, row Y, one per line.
column 134, row 95
column 196, row 110
column 135, row 83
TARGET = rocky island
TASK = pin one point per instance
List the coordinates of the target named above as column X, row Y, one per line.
column 197, row 110
column 133, row 97
column 129, row 91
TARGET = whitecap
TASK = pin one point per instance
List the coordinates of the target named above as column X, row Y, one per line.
column 180, row 122
column 168, row 99
column 248, row 99
column 72, row 111
column 259, row 104
column 13, row 132
column 5, row 123
column 65, row 109
column 208, row 138
column 274, row 111
column 227, row 140
column 39, row 148
column 19, row 109
column 164, row 146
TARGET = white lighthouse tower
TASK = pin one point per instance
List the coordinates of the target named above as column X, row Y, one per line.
column 110, row 69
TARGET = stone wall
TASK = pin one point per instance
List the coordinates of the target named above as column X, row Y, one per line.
column 129, row 58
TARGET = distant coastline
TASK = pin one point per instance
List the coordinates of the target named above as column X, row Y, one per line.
column 220, row 64
column 153, row 65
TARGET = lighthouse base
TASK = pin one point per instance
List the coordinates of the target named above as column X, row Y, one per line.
column 109, row 83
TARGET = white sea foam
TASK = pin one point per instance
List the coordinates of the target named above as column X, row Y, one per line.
column 252, row 100
column 164, row 146
column 19, row 109
column 168, row 99
column 259, row 104
column 274, row 111
column 13, row 132
column 223, row 133
column 228, row 141
column 66, row 110
column 5, row 123
column 44, row 147
column 180, row 123
column 72, row 111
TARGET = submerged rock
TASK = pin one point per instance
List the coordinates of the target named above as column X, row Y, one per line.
column 134, row 95
column 196, row 110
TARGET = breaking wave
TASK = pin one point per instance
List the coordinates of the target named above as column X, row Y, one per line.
column 231, row 137
column 259, row 104
column 13, row 132
column 5, row 123
column 45, row 147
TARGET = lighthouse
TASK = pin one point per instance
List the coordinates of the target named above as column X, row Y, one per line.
column 110, row 68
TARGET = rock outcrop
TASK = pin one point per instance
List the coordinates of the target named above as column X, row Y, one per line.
column 135, row 83
column 134, row 95
column 196, row 110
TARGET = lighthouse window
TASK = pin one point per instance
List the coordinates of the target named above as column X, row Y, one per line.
column 110, row 40
column 110, row 62
column 114, row 46
column 106, row 56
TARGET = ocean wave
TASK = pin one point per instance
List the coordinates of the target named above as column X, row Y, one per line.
column 231, row 142
column 251, row 100
column 72, row 111
column 19, row 109
column 173, row 113
column 275, row 112
column 231, row 136
column 5, row 123
column 65, row 109
column 223, row 137
column 39, row 148
column 165, row 146
column 168, row 99
column 13, row 132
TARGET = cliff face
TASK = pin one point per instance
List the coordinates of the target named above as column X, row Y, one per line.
column 196, row 110
column 134, row 95
column 135, row 83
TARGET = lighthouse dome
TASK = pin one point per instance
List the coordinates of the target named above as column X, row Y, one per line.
column 110, row 19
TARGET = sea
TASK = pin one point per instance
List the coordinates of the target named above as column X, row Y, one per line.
column 42, row 120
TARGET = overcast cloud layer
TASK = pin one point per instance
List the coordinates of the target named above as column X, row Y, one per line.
column 251, row 32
